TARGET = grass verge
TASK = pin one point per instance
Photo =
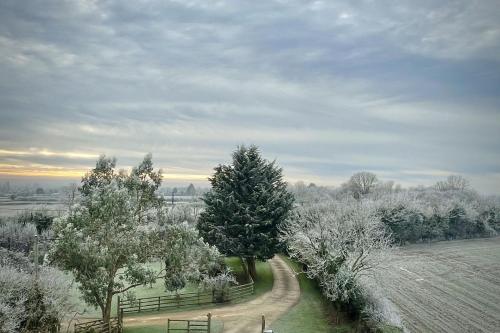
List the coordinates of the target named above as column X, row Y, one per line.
column 315, row 314
column 312, row 314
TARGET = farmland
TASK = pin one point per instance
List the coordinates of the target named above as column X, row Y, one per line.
column 446, row 287
column 12, row 206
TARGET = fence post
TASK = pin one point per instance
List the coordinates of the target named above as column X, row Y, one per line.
column 168, row 325
column 263, row 323
column 158, row 303
column 118, row 306
column 209, row 315
column 139, row 305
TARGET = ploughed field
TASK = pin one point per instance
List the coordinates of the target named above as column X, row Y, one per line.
column 447, row 286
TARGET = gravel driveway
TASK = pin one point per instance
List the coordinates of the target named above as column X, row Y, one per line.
column 243, row 317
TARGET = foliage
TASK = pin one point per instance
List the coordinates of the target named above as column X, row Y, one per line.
column 247, row 203
column 187, row 258
column 27, row 303
column 309, row 194
column 39, row 218
column 17, row 237
column 379, row 311
column 108, row 238
column 183, row 213
column 219, row 284
column 338, row 243
column 425, row 215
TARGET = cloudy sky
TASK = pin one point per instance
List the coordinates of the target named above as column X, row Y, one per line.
column 409, row 90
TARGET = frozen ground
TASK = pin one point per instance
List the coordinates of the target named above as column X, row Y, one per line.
column 447, row 286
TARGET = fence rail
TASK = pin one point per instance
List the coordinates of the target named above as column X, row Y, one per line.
column 189, row 326
column 165, row 302
column 99, row 326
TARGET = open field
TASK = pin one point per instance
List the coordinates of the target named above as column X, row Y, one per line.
column 448, row 286
column 52, row 203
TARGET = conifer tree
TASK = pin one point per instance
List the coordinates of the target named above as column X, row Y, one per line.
column 247, row 203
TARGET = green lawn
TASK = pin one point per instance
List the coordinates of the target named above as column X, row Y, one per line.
column 142, row 291
column 264, row 281
column 311, row 314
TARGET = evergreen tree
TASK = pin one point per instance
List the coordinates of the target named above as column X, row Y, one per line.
column 247, row 203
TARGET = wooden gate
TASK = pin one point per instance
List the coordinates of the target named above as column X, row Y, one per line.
column 189, row 326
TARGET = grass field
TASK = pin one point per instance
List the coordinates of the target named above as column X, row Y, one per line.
column 446, row 287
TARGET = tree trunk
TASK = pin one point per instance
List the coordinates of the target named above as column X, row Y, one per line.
column 252, row 271
column 244, row 265
column 106, row 313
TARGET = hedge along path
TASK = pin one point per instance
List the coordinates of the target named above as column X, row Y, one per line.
column 242, row 317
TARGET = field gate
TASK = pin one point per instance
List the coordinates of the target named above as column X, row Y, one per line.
column 189, row 326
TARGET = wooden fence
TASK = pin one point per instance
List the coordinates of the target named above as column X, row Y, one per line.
column 98, row 326
column 189, row 326
column 167, row 302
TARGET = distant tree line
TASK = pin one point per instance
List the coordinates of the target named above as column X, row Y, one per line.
column 450, row 209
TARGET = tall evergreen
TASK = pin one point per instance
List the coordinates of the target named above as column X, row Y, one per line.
column 247, row 203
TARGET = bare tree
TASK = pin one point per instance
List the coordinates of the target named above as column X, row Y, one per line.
column 362, row 183
column 453, row 183
column 70, row 195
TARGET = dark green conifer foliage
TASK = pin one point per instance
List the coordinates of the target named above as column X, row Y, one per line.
column 247, row 203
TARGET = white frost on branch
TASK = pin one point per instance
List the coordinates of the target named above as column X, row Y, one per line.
column 338, row 242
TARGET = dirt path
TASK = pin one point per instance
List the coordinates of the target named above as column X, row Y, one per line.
column 244, row 317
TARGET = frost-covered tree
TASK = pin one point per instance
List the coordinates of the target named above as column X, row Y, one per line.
column 338, row 242
column 186, row 256
column 120, row 224
column 29, row 302
column 309, row 194
column 16, row 236
column 361, row 183
column 452, row 183
column 247, row 203
column 107, row 233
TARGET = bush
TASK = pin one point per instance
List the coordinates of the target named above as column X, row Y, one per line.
column 28, row 304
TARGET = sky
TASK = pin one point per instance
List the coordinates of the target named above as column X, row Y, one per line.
column 409, row 90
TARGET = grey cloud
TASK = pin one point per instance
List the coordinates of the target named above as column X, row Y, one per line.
column 345, row 86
